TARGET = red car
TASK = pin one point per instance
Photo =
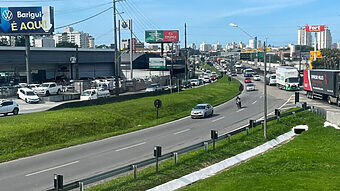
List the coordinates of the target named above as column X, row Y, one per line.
column 247, row 80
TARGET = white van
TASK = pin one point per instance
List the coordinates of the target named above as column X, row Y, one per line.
column 271, row 79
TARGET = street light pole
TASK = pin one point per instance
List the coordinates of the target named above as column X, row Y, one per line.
column 265, row 93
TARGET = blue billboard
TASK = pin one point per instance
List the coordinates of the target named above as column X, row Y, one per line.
column 26, row 20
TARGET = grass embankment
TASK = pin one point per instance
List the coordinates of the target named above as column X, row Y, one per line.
column 199, row 159
column 310, row 162
column 34, row 133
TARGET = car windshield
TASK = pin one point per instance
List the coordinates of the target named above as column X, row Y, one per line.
column 273, row 77
column 199, row 107
column 293, row 80
column 152, row 86
column 86, row 93
column 250, row 85
column 44, row 85
column 30, row 93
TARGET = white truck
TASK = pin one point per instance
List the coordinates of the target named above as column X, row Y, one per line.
column 92, row 94
column 48, row 89
column 287, row 78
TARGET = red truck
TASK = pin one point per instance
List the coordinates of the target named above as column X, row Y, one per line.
column 322, row 84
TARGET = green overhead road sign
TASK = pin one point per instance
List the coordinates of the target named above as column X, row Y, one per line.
column 260, row 55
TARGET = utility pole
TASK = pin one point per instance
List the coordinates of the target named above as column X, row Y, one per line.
column 131, row 51
column 265, row 94
column 300, row 58
column 116, row 62
column 172, row 62
column 77, row 63
column 27, row 56
column 186, row 53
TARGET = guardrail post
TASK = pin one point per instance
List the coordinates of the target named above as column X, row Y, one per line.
column 229, row 138
column 247, row 128
column 294, row 113
column 206, row 146
column 297, row 97
column 262, row 123
column 277, row 114
column 134, row 171
column 304, row 105
column 157, row 152
column 81, row 186
column 214, row 136
column 176, row 158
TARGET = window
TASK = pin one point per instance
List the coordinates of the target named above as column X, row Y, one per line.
column 52, row 85
column 7, row 103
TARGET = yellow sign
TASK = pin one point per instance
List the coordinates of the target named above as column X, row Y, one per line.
column 318, row 54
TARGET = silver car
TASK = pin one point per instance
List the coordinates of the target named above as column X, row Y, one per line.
column 202, row 111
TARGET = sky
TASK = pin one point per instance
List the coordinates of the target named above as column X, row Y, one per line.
column 207, row 20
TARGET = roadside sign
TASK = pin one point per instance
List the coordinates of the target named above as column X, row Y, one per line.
column 260, row 55
column 157, row 63
column 158, row 103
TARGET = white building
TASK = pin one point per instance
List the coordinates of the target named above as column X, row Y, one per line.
column 193, row 46
column 83, row 40
column 252, row 43
column 338, row 45
column 44, row 42
column 217, row 46
column 241, row 45
column 324, row 39
column 259, row 44
column 304, row 38
column 204, row 47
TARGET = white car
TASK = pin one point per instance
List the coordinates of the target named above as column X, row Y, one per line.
column 27, row 95
column 257, row 78
column 48, row 89
column 9, row 106
column 154, row 88
column 194, row 82
column 92, row 94
column 202, row 111
column 250, row 87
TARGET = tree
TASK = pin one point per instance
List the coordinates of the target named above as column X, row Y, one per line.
column 304, row 48
column 331, row 58
column 103, row 46
column 66, row 44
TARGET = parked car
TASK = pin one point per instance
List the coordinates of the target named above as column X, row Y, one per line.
column 154, row 88
column 27, row 95
column 202, row 111
column 233, row 73
column 206, row 79
column 9, row 106
column 257, row 78
column 250, row 87
column 247, row 80
column 48, row 89
column 201, row 82
column 194, row 82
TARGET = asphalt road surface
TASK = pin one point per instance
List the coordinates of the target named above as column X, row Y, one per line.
column 36, row 172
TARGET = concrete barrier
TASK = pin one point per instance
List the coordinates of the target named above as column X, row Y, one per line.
column 61, row 97
column 333, row 117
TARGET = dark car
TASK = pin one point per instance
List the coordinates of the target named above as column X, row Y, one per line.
column 186, row 84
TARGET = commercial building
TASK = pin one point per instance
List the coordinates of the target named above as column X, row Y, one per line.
column 83, row 40
column 252, row 43
column 217, row 46
column 304, row 38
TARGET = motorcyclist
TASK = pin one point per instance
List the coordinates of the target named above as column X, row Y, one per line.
column 238, row 102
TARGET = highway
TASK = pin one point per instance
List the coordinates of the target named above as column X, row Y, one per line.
column 36, row 172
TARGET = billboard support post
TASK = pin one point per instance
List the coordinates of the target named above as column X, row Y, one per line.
column 116, row 62
column 186, row 52
column 27, row 58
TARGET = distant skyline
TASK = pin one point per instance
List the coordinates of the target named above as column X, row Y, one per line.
column 208, row 21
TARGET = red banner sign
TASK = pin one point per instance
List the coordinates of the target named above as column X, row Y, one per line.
column 171, row 36
column 315, row 28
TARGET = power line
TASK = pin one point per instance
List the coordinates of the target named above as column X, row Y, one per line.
column 141, row 13
column 131, row 31
column 88, row 18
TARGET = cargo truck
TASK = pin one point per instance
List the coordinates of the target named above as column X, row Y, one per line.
column 287, row 78
column 322, row 84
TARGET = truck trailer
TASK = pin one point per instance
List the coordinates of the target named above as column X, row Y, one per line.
column 287, row 78
column 322, row 84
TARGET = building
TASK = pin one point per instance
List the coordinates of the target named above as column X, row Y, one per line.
column 259, row 44
column 217, row 46
column 193, row 46
column 252, row 43
column 83, row 40
column 204, row 47
column 304, row 38
column 324, row 39
column 241, row 45
column 47, row 42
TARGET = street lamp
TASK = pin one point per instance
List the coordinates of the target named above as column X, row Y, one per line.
column 265, row 81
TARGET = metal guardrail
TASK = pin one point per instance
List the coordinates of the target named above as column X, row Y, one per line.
column 144, row 163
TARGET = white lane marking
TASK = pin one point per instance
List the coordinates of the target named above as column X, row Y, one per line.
column 129, row 147
column 240, row 110
column 38, row 172
column 286, row 102
column 179, row 132
column 254, row 102
column 217, row 119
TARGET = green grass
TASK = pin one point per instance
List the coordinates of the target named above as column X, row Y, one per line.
column 196, row 160
column 310, row 162
column 34, row 133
